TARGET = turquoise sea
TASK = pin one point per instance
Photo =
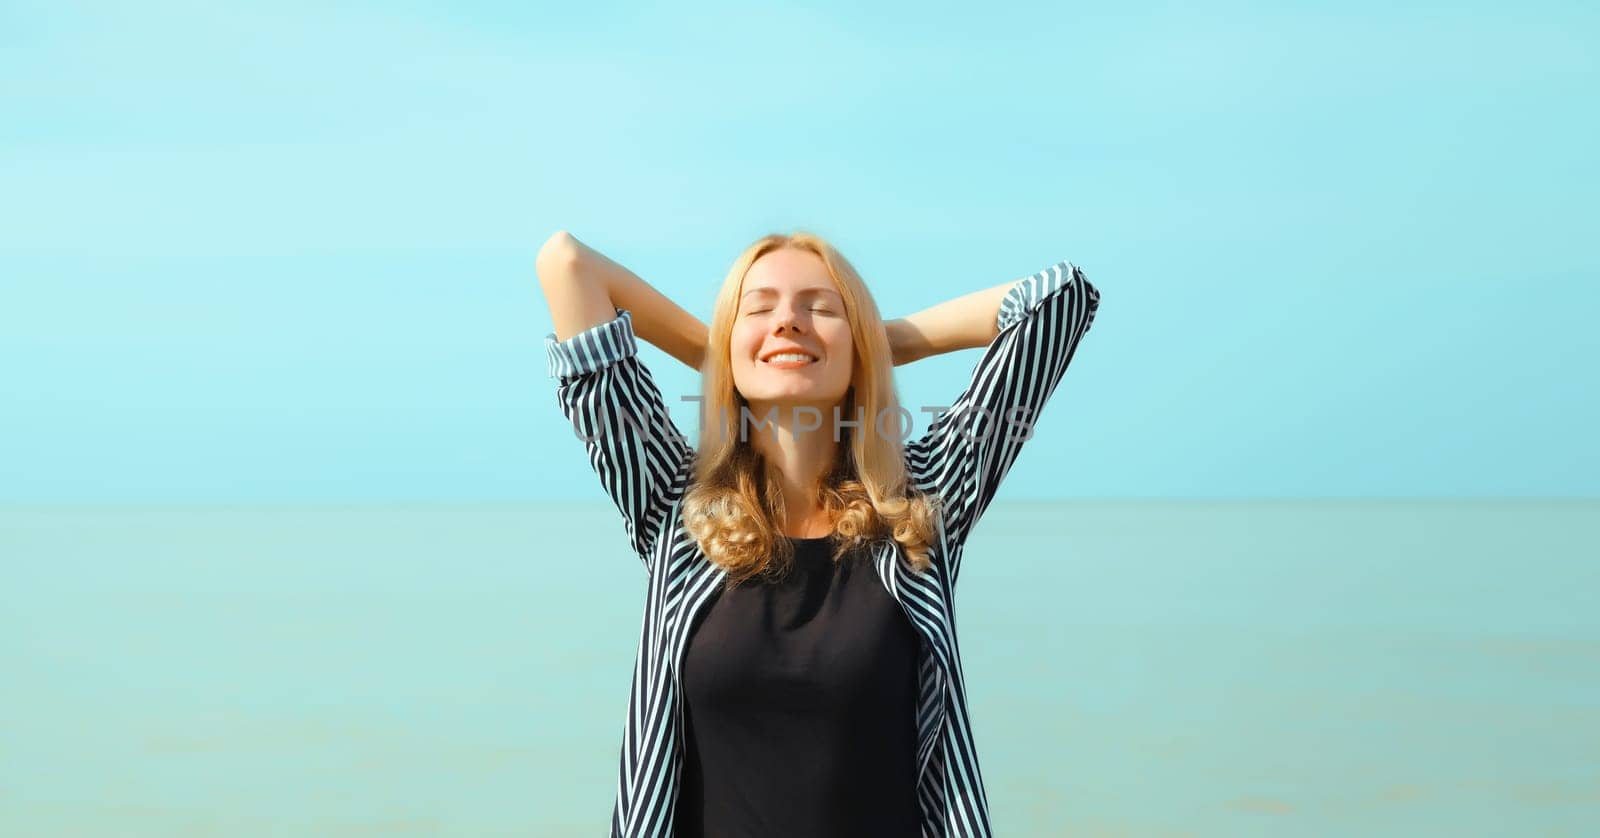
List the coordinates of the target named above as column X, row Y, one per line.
column 1341, row 668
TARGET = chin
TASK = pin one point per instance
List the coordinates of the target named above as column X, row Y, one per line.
column 794, row 397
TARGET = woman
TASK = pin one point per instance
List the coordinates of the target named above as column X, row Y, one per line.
column 798, row 671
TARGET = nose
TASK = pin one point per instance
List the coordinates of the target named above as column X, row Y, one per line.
column 787, row 318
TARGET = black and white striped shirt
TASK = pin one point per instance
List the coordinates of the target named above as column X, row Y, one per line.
column 645, row 465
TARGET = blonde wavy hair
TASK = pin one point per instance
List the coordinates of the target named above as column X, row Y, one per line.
column 735, row 501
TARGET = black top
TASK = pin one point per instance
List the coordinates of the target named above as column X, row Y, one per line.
column 800, row 706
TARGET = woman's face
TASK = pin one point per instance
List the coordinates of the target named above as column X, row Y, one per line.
column 788, row 304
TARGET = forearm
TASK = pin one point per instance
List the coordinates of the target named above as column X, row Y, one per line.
column 966, row 322
column 588, row 279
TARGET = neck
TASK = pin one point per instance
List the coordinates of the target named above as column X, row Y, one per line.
column 800, row 449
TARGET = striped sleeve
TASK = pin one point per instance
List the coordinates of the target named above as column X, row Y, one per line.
column 969, row 448
column 617, row 410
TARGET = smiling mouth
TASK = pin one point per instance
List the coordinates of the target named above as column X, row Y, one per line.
column 789, row 359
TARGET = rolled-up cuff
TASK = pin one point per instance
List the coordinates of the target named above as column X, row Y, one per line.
column 1027, row 293
column 594, row 348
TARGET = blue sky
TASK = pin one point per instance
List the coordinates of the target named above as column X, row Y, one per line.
column 284, row 253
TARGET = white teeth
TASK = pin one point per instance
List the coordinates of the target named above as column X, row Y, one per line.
column 790, row 356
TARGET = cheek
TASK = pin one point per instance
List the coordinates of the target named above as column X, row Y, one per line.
column 843, row 351
column 742, row 344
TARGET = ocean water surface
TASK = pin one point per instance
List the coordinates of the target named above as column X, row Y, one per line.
column 1135, row 668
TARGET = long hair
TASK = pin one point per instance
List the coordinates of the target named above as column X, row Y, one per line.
column 735, row 503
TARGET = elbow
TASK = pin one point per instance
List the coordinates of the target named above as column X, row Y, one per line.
column 558, row 258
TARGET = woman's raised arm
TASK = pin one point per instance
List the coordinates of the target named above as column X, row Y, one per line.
column 966, row 322
column 1030, row 330
column 607, row 392
column 584, row 288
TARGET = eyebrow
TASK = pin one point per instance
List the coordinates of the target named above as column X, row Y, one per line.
column 770, row 290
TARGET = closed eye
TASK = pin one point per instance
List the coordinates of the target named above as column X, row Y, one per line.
column 817, row 309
